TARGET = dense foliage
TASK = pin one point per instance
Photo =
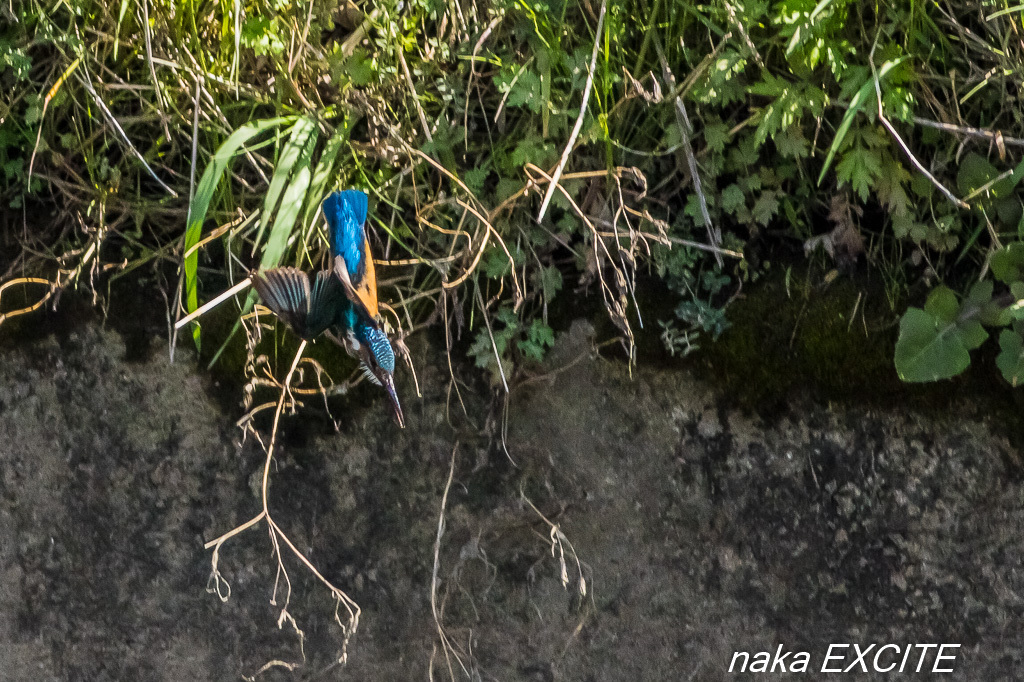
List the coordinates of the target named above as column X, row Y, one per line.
column 203, row 135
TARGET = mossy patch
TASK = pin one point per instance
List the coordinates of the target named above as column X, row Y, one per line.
column 800, row 332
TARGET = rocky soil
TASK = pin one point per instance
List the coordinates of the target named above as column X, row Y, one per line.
column 698, row 529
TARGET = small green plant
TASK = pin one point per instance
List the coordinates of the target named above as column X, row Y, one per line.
column 935, row 341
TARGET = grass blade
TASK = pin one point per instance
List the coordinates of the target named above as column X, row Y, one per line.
column 856, row 105
column 299, row 135
column 200, row 203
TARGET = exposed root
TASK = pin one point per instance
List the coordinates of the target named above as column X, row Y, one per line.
column 219, row 585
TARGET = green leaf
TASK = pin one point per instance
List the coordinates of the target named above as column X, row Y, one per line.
column 889, row 185
column 765, row 207
column 359, row 69
column 1011, row 357
column 324, row 171
column 974, row 172
column 859, row 167
column 1008, row 263
column 200, row 203
column 539, row 337
column 495, row 264
column 550, row 282
column 475, row 178
column 733, row 198
column 716, row 135
column 299, row 135
column 526, row 92
column 868, row 88
column 934, row 342
column 928, row 349
column 291, row 203
column 942, row 304
column 791, row 143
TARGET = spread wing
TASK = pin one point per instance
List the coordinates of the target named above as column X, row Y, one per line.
column 307, row 310
column 350, row 249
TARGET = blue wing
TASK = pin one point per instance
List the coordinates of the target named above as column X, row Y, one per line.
column 346, row 214
column 308, row 310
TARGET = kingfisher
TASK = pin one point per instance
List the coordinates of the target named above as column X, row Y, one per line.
column 343, row 306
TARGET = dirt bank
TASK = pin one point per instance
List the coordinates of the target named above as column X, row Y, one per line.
column 700, row 530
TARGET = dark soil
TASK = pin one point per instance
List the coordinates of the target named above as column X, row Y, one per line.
column 699, row 529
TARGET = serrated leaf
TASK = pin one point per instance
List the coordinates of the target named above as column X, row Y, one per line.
column 791, row 143
column 889, row 186
column 856, row 104
column 496, row 264
column 526, row 92
column 475, row 178
column 765, row 207
column 733, row 198
column 550, row 282
column 716, row 135
column 859, row 167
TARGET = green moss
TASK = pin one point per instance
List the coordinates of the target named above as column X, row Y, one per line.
column 834, row 338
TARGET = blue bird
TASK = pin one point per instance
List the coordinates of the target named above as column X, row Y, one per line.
column 311, row 310
column 342, row 300
column 352, row 262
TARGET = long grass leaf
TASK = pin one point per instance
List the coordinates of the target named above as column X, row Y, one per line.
column 200, row 203
column 856, row 105
column 291, row 204
column 299, row 135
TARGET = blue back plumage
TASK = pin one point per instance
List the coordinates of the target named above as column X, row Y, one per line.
column 346, row 213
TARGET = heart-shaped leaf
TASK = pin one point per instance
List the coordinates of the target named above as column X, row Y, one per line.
column 934, row 343
column 1011, row 357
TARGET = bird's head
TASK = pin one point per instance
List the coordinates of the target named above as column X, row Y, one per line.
column 379, row 362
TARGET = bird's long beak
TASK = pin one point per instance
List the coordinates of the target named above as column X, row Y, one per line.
column 388, row 381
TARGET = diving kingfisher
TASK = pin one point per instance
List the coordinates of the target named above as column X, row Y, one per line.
column 341, row 301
